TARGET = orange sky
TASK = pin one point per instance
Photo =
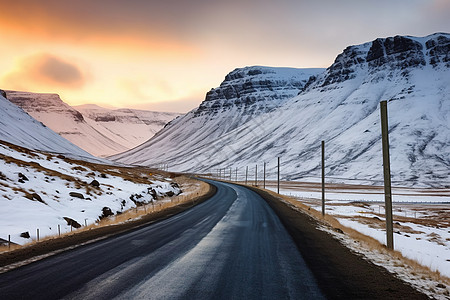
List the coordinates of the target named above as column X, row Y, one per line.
column 165, row 55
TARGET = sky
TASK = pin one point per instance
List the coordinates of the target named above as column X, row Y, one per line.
column 165, row 55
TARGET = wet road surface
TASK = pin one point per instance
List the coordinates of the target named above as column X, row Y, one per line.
column 232, row 246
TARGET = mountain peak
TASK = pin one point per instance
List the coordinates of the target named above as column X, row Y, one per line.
column 255, row 116
column 100, row 131
column 391, row 54
column 255, row 89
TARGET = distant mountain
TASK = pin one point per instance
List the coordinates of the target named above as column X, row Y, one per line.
column 51, row 193
column 244, row 94
column 19, row 128
column 47, row 183
column 340, row 106
column 97, row 130
column 129, row 127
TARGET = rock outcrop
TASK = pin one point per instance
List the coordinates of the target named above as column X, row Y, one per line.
column 255, row 90
column 392, row 53
column 339, row 106
column 245, row 94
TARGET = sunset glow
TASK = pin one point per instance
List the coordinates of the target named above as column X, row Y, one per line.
column 166, row 56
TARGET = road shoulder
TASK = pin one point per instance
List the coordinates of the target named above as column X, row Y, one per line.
column 18, row 257
column 340, row 272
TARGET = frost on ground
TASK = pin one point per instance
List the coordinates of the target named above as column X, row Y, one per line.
column 421, row 226
column 50, row 192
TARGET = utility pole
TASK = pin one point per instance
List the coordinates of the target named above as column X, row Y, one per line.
column 278, row 176
column 387, row 175
column 230, row 173
column 246, row 174
column 264, row 175
column 256, row 175
column 323, row 178
column 236, row 174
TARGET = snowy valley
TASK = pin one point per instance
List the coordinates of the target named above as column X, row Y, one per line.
column 99, row 131
column 256, row 115
column 51, row 185
column 339, row 105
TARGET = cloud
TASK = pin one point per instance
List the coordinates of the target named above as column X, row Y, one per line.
column 45, row 70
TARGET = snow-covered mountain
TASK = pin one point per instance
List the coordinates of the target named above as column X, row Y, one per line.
column 50, row 192
column 340, row 106
column 244, row 94
column 97, row 130
column 19, row 128
column 46, row 181
column 129, row 127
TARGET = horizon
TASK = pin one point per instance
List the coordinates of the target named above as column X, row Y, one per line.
column 167, row 56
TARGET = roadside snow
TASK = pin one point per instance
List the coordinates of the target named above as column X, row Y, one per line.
column 35, row 193
column 418, row 233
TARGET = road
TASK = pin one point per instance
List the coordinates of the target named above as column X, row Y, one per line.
column 232, row 246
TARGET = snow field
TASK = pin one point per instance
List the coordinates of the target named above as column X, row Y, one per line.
column 420, row 222
column 53, row 178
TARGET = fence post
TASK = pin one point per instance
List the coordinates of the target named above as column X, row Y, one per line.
column 37, row 234
column 236, row 175
column 256, row 175
column 323, row 178
column 59, row 230
column 264, row 176
column 278, row 176
column 230, row 173
column 246, row 174
column 387, row 175
column 9, row 241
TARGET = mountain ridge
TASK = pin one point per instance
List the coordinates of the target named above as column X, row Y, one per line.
column 101, row 137
column 340, row 106
column 233, row 103
column 19, row 128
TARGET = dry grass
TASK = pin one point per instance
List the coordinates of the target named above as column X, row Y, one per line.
column 367, row 242
column 192, row 189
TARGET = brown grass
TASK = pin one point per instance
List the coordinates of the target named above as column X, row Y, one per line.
column 367, row 242
column 192, row 190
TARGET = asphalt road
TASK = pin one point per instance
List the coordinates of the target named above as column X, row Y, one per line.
column 232, row 246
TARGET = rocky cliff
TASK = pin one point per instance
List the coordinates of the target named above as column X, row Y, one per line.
column 97, row 130
column 339, row 106
column 255, row 90
column 19, row 128
column 244, row 94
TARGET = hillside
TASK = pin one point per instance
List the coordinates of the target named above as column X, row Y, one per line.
column 97, row 130
column 244, row 94
column 19, row 128
column 340, row 106
column 128, row 127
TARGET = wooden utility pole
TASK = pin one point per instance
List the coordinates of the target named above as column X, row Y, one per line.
column 323, row 178
column 264, row 175
column 387, row 175
column 236, row 174
column 246, row 174
column 231, row 172
column 278, row 176
column 256, row 175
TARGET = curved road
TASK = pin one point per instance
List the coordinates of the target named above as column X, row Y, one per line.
column 232, row 246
